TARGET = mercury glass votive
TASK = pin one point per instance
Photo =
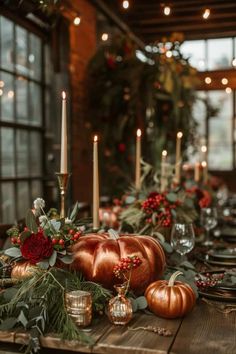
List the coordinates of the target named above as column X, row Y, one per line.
column 79, row 307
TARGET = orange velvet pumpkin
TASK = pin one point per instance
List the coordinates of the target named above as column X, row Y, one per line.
column 95, row 255
column 170, row 299
column 21, row 270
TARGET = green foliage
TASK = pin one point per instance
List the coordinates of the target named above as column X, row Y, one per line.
column 37, row 305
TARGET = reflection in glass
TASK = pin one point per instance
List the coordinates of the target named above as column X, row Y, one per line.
column 21, row 51
column 195, row 51
column 7, row 97
column 7, row 152
column 21, row 100
column 35, row 154
column 22, row 153
column 220, row 154
column 6, row 43
column 36, row 190
column 34, row 56
column 23, row 199
column 219, row 53
column 35, row 104
column 7, row 202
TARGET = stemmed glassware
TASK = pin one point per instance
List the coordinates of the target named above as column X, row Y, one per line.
column 182, row 238
column 208, row 220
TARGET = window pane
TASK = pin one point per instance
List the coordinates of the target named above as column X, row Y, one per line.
column 7, row 152
column 219, row 53
column 35, row 104
column 220, row 131
column 195, row 50
column 8, row 203
column 199, row 112
column 35, row 56
column 22, row 153
column 6, row 43
column 35, row 154
column 7, row 97
column 21, row 100
column 21, row 51
column 36, row 190
column 23, row 200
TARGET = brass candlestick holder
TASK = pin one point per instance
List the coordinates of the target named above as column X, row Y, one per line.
column 63, row 179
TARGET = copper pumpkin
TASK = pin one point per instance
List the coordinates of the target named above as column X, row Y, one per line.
column 170, row 299
column 95, row 255
column 21, row 270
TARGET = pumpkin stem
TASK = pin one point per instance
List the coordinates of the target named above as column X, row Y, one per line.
column 173, row 277
column 113, row 234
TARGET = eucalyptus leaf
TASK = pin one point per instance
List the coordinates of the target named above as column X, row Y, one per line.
column 9, row 293
column 30, row 221
column 56, row 225
column 74, row 212
column 113, row 234
column 171, row 197
column 43, row 264
column 141, row 302
column 166, row 246
column 53, row 258
column 8, row 323
column 13, row 252
column 187, row 265
column 67, row 259
column 159, row 236
column 22, row 319
column 134, row 304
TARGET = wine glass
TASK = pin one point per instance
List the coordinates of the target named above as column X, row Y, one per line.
column 182, row 238
column 208, row 221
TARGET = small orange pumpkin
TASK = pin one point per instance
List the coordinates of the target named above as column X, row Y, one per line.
column 170, row 299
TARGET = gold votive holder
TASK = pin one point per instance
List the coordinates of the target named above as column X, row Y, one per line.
column 79, row 307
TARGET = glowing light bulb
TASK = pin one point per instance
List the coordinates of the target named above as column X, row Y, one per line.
column 224, row 81
column 167, row 10
column 125, row 4
column 206, row 14
column 228, row 90
column 105, row 37
column 77, row 20
column 169, row 54
column 234, row 62
column 208, row 80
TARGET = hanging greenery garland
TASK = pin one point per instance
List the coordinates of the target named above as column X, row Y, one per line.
column 155, row 94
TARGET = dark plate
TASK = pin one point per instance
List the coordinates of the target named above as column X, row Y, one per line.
column 207, row 259
column 213, row 296
column 229, row 234
column 223, row 254
column 221, row 292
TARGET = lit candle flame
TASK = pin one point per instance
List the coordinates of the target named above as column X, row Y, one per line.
column 164, row 153
column 95, row 139
column 179, row 135
column 204, row 164
column 63, row 95
column 139, row 133
column 204, row 148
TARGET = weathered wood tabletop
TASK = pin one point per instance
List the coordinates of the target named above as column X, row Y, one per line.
column 204, row 331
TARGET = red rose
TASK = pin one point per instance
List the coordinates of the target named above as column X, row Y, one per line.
column 36, row 247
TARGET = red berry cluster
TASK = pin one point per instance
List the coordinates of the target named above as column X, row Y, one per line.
column 158, row 204
column 69, row 236
column 126, row 265
column 209, row 280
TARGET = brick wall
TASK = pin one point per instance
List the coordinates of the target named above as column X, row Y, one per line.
column 82, row 47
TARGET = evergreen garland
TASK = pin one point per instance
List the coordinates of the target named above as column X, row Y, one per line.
column 37, row 305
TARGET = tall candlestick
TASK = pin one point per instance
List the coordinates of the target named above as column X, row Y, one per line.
column 63, row 168
column 178, row 157
column 138, row 160
column 164, row 181
column 197, row 171
column 205, row 171
column 95, row 185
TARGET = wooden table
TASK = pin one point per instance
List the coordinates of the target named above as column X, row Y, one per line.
column 204, row 331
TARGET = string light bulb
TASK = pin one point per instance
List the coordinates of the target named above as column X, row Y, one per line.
column 105, row 37
column 228, row 90
column 125, row 4
column 234, row 62
column 206, row 14
column 208, row 80
column 224, row 81
column 167, row 10
column 77, row 20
